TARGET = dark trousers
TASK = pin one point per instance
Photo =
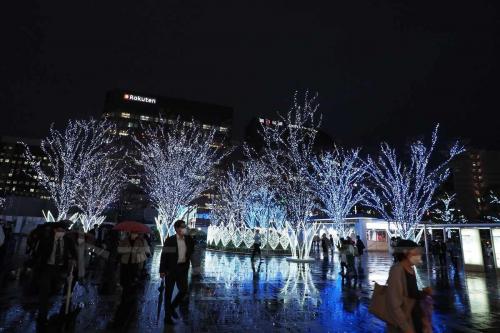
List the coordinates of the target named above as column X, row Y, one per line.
column 256, row 249
column 51, row 277
column 179, row 277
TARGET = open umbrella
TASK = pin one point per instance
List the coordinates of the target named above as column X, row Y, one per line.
column 160, row 298
column 132, row 226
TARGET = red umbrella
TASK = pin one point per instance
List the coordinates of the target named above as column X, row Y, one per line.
column 132, row 226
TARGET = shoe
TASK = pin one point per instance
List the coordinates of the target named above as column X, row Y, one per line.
column 168, row 321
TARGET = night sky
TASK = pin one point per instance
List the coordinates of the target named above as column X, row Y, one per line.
column 383, row 69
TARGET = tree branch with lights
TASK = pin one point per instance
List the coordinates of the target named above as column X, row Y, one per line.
column 67, row 158
column 402, row 192
column 287, row 155
column 338, row 181
column 178, row 161
column 99, row 189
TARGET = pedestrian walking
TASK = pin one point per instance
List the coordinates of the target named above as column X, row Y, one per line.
column 454, row 251
column 82, row 257
column 488, row 251
column 174, row 267
column 324, row 244
column 442, row 253
column 54, row 256
column 350, row 254
column 407, row 306
column 342, row 255
column 134, row 251
column 196, row 255
column 256, row 244
column 112, row 260
column 360, row 246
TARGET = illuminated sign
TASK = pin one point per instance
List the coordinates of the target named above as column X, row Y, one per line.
column 130, row 97
column 471, row 248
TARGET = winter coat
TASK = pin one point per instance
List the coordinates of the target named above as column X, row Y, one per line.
column 399, row 305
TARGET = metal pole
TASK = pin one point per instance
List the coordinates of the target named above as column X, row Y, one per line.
column 426, row 244
column 427, row 256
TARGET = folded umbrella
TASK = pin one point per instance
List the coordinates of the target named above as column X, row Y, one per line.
column 160, row 298
column 132, row 226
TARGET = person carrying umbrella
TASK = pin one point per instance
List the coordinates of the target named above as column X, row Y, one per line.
column 174, row 267
column 134, row 251
column 54, row 257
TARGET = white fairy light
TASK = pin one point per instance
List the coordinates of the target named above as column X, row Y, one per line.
column 243, row 203
column 70, row 155
column 100, row 188
column 178, row 161
column 444, row 210
column 288, row 150
column 403, row 193
column 494, row 200
column 338, row 179
column 233, row 188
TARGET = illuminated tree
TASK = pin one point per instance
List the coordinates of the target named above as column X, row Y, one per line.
column 402, row 192
column 445, row 210
column 244, row 202
column 338, row 181
column 494, row 200
column 99, row 189
column 69, row 155
column 178, row 161
column 234, row 189
column 288, row 151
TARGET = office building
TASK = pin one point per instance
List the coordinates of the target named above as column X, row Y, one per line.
column 475, row 173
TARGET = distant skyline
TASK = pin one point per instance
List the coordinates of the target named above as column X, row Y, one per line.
column 383, row 71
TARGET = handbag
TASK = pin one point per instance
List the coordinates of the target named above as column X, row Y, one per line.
column 378, row 304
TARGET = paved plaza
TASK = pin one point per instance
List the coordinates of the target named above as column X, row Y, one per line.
column 273, row 296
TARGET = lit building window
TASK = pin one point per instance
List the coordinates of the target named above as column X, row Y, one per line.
column 32, row 190
column 125, row 115
column 130, row 125
column 206, row 126
column 145, row 118
column 223, row 129
column 123, row 133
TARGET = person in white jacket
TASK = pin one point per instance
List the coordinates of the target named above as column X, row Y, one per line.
column 134, row 251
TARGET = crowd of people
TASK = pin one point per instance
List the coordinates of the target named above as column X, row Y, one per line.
column 59, row 258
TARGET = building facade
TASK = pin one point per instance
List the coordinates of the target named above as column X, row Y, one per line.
column 476, row 173
column 132, row 112
column 15, row 180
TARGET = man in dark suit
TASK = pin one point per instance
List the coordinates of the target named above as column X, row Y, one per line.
column 54, row 256
column 174, row 267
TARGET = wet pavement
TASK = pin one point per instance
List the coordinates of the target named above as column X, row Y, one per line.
column 273, row 296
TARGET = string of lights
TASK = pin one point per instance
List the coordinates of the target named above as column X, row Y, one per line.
column 178, row 162
column 402, row 193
